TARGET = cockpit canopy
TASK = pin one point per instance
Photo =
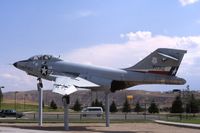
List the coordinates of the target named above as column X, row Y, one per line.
column 44, row 57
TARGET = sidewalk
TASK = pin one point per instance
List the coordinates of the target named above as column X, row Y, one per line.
column 188, row 125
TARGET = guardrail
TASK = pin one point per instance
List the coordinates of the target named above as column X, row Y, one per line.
column 113, row 116
column 58, row 116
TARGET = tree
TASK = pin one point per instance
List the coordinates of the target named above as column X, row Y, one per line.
column 101, row 105
column 53, row 105
column 126, row 106
column 97, row 103
column 138, row 107
column 192, row 105
column 77, row 106
column 93, row 104
column 177, row 105
column 113, row 107
column 153, row 108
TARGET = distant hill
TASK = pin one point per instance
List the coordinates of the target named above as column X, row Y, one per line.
column 163, row 99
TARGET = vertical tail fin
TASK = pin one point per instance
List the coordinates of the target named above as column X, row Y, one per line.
column 162, row 61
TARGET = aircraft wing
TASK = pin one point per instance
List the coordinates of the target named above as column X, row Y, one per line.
column 68, row 85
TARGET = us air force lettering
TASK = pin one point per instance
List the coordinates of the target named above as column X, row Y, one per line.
column 160, row 67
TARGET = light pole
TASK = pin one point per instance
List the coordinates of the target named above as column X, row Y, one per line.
column 16, row 100
column 25, row 95
column 1, row 96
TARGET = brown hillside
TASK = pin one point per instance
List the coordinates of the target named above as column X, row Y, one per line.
column 86, row 97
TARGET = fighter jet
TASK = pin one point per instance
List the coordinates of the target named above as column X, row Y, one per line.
column 160, row 67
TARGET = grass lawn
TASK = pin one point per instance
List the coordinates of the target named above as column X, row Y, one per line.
column 192, row 121
column 28, row 107
column 186, row 118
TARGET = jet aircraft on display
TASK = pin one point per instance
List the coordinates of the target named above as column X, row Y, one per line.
column 160, row 67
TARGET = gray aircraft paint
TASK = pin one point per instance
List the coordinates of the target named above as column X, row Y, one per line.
column 160, row 67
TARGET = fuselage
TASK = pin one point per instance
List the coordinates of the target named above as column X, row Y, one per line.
column 107, row 78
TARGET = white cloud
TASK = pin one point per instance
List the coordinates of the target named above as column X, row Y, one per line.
column 198, row 21
column 80, row 15
column 16, row 80
column 138, row 46
column 86, row 13
column 119, row 55
column 187, row 2
column 139, row 35
column 9, row 76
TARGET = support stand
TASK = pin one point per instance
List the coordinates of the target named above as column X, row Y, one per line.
column 40, row 100
column 66, row 101
column 107, row 106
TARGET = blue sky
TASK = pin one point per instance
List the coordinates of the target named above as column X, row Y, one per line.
column 72, row 28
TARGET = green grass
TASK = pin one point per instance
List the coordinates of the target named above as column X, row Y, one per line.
column 185, row 118
column 193, row 121
column 28, row 107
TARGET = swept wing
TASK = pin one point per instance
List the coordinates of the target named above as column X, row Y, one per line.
column 68, row 85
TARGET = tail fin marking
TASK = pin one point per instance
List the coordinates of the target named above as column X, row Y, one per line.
column 162, row 61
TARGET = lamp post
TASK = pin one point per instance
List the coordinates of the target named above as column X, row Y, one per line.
column 1, row 96
column 16, row 100
column 25, row 95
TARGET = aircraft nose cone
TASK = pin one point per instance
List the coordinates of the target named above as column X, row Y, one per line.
column 15, row 64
